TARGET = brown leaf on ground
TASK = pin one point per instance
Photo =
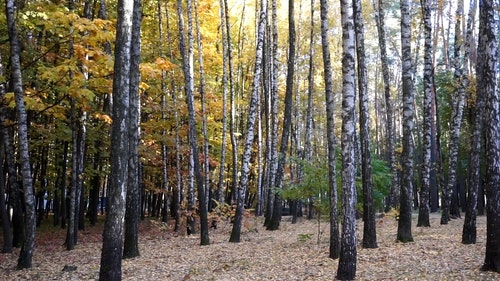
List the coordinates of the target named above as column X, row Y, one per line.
column 291, row 253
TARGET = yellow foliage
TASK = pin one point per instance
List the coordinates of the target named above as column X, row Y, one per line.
column 104, row 117
column 164, row 64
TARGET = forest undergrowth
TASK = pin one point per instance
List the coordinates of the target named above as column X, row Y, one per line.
column 291, row 253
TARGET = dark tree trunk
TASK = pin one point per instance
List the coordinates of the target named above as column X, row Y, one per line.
column 392, row 198
column 486, row 77
column 6, row 229
column 15, row 201
column 474, row 170
column 133, row 204
column 274, row 223
column 112, row 247
column 369, row 227
column 7, row 235
column 406, row 195
column 334, row 248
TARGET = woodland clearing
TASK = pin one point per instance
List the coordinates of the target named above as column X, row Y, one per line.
column 291, row 253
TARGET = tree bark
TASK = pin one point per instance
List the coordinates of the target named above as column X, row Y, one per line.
column 486, row 77
column 393, row 197
column 224, row 81
column 406, row 194
column 369, row 227
column 28, row 245
column 334, row 248
column 252, row 114
column 193, row 139
column 112, row 247
column 348, row 253
column 133, row 202
column 424, row 209
column 6, row 229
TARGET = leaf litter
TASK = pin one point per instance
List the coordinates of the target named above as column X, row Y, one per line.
column 290, row 253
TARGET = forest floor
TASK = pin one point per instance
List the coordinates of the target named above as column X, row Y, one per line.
column 291, row 253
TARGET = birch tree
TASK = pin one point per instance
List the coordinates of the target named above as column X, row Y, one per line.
column 28, row 245
column 252, row 114
column 369, row 227
column 287, row 120
column 348, row 253
column 393, row 198
column 424, row 209
column 334, row 249
column 133, row 204
column 193, row 138
column 112, row 246
column 486, row 86
column 406, row 192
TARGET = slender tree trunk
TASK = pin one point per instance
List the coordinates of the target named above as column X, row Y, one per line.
column 424, row 209
column 369, row 227
column 202, row 86
column 18, row 231
column 112, row 247
column 486, row 77
column 334, row 250
column 6, row 229
column 287, row 120
column 252, row 114
column 224, row 81
column 348, row 254
column 28, row 245
column 393, row 198
column 406, row 195
column 474, row 171
column 133, row 202
column 232, row 119
column 193, row 139
column 273, row 152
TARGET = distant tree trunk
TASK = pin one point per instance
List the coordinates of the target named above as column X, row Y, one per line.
column 369, row 227
column 404, row 223
column 72, row 231
column 423, row 213
column 112, row 247
column 474, row 171
column 347, row 260
column 247, row 152
column 393, row 197
column 232, row 102
column 273, row 145
column 133, row 202
column 202, row 86
column 487, row 56
column 7, row 235
column 177, row 190
column 164, row 156
column 193, row 139
column 308, row 147
column 28, row 245
column 63, row 187
column 310, row 92
column 225, row 53
column 274, row 223
column 18, row 231
column 334, row 251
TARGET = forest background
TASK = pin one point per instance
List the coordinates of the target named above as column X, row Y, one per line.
column 234, row 112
